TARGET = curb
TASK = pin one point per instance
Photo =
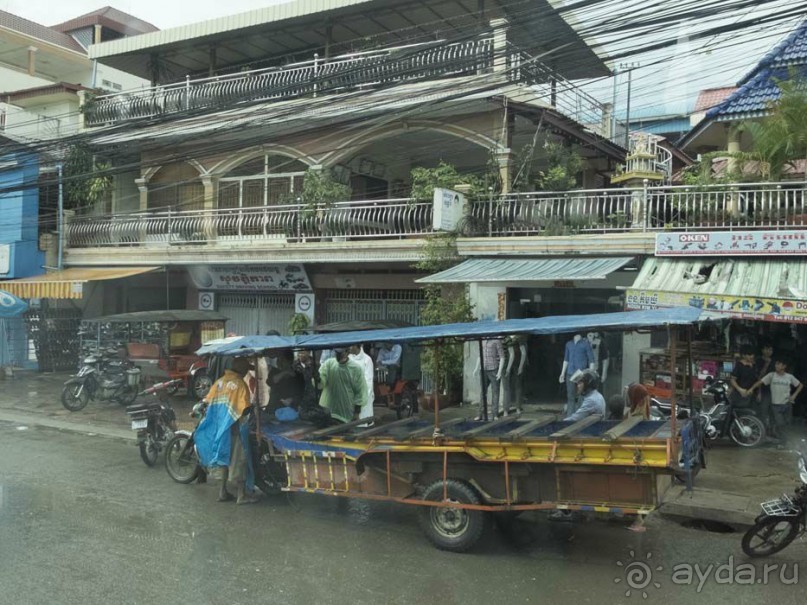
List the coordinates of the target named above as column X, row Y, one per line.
column 62, row 425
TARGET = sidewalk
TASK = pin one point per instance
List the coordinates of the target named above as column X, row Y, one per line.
column 729, row 490
column 34, row 398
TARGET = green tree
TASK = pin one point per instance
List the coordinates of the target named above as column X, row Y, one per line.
column 446, row 303
column 321, row 190
column 780, row 138
column 86, row 183
column 444, row 176
column 564, row 164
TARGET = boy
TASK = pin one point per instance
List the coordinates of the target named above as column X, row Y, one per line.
column 743, row 378
column 782, row 398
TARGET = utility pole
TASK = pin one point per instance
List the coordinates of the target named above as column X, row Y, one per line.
column 613, row 106
column 629, row 67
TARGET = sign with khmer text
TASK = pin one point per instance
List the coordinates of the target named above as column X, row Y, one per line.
column 765, row 242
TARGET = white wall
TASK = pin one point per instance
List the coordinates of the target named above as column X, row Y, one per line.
column 13, row 79
column 126, row 195
column 632, row 345
column 46, row 121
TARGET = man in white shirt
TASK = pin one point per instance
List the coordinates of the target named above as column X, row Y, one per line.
column 358, row 355
column 389, row 358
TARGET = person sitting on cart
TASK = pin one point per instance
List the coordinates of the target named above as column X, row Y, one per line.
column 286, row 385
column 222, row 438
column 343, row 387
column 389, row 358
column 591, row 400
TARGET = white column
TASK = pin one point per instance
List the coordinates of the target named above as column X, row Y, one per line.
column 499, row 44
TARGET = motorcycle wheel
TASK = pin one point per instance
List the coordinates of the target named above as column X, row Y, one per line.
column 75, row 397
column 127, row 397
column 408, row 405
column 181, row 461
column 757, row 435
column 200, row 385
column 770, row 535
column 149, row 450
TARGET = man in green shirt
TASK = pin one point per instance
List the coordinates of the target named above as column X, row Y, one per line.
column 343, row 387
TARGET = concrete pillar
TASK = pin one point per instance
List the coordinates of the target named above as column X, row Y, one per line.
column 499, row 44
column 505, row 161
column 32, row 60
column 210, row 183
column 632, row 345
column 733, row 148
column 487, row 301
column 96, row 34
column 143, row 188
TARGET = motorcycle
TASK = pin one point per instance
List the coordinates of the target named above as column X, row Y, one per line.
column 155, row 423
column 103, row 378
column 721, row 420
column 781, row 522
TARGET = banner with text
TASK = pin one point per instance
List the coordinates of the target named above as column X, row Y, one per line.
column 259, row 278
column 740, row 307
column 733, row 243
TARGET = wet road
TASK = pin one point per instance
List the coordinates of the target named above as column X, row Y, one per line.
column 82, row 520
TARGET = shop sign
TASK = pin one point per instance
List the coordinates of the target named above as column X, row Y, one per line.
column 305, row 305
column 281, row 277
column 740, row 307
column 733, row 243
column 449, row 208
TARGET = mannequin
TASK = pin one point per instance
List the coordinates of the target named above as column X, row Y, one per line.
column 577, row 357
column 492, row 364
column 516, row 362
column 601, row 355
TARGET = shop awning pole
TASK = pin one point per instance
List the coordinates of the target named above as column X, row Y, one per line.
column 690, row 389
column 435, row 390
column 673, row 350
column 484, row 398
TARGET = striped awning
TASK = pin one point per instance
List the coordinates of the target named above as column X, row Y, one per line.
column 527, row 270
column 68, row 283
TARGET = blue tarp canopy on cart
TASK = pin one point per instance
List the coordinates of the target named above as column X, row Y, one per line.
column 562, row 324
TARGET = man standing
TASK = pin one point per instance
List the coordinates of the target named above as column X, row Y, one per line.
column 222, row 438
column 358, row 356
column 343, row 387
column 389, row 358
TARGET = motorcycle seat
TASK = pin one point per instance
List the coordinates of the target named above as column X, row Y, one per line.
column 142, row 407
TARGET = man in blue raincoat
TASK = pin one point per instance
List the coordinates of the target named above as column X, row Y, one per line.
column 222, row 438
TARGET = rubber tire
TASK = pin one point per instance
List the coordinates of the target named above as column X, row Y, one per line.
column 406, row 410
column 477, row 522
column 763, row 524
column 172, row 450
column 752, row 420
column 149, row 454
column 72, row 403
column 129, row 396
column 201, row 377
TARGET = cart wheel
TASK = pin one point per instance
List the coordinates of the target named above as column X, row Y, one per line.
column 448, row 528
column 200, row 385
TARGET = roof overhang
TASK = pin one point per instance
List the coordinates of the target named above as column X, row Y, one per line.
column 758, row 289
column 36, row 96
column 511, row 270
column 292, row 28
column 66, row 284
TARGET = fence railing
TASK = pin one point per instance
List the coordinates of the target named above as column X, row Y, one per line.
column 290, row 223
column 723, row 207
column 346, row 72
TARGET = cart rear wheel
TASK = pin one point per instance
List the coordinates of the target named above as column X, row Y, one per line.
column 449, row 528
column 200, row 385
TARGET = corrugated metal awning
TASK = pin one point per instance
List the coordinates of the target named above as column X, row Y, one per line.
column 765, row 289
column 527, row 270
column 68, row 283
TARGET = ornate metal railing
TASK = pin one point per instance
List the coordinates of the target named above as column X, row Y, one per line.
column 735, row 206
column 393, row 219
column 719, row 207
column 347, row 72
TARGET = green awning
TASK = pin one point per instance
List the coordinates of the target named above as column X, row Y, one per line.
column 527, row 270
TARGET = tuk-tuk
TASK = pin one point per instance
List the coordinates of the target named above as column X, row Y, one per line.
column 162, row 344
column 463, row 473
column 397, row 388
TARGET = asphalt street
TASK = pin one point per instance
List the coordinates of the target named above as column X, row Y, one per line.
column 83, row 520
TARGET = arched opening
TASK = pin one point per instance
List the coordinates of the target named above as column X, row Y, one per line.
column 382, row 168
column 176, row 187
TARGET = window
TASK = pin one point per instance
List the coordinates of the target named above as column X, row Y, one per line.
column 176, row 187
column 268, row 180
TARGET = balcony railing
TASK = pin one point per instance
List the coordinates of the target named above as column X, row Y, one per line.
column 339, row 74
column 289, row 223
column 723, row 207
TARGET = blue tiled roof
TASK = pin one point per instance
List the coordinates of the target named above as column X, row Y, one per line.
column 758, row 89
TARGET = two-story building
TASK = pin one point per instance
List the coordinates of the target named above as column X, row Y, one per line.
column 210, row 160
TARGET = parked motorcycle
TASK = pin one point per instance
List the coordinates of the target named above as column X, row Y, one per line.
column 721, row 420
column 781, row 522
column 154, row 422
column 104, row 378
